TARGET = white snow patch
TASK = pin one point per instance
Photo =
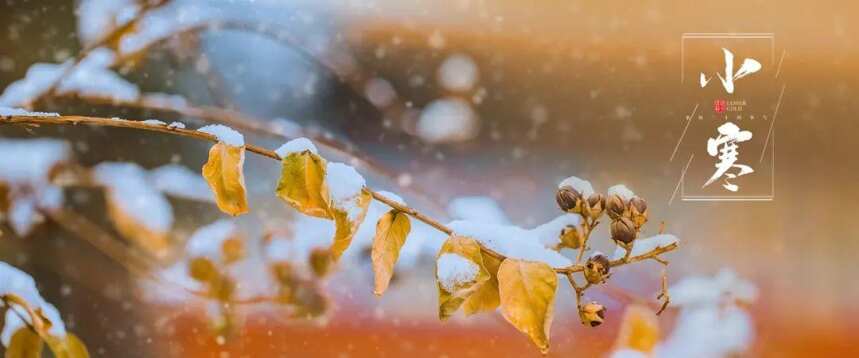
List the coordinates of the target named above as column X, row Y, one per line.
column 344, row 185
column 477, row 208
column 15, row 281
column 28, row 160
column 645, row 245
column 447, row 120
column 208, row 240
column 91, row 76
column 726, row 286
column 176, row 125
column 458, row 73
column 516, row 242
column 128, row 186
column 296, row 145
column 708, row 332
column 9, row 111
column 25, row 168
column 454, row 270
column 179, row 181
column 97, row 18
column 622, row 191
column 154, row 122
column 224, row 134
column 580, row 185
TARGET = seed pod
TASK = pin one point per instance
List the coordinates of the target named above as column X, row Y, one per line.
column 638, row 211
column 623, row 231
column 592, row 314
column 571, row 237
column 569, row 199
column 616, row 206
column 597, row 268
column 595, row 206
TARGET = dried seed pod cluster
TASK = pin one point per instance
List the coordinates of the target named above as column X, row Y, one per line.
column 627, row 212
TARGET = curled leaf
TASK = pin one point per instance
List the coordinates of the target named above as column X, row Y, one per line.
column 301, row 183
column 391, row 232
column 454, row 290
column 223, row 172
column 347, row 221
column 639, row 330
column 527, row 291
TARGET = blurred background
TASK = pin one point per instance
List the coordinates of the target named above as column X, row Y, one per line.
column 457, row 98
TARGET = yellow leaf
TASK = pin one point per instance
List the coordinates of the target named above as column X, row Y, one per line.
column 467, row 248
column 347, row 223
column 391, row 232
column 639, row 329
column 154, row 241
column 527, row 291
column 485, row 296
column 224, row 174
column 24, row 344
column 301, row 184
column 68, row 347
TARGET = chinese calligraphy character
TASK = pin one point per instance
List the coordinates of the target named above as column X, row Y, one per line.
column 725, row 146
column 748, row 67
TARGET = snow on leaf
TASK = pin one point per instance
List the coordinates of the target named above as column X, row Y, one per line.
column 516, row 242
column 459, row 273
column 138, row 211
column 301, row 183
column 391, row 232
column 16, row 282
column 297, row 145
column 224, row 173
column 347, row 221
column 527, row 291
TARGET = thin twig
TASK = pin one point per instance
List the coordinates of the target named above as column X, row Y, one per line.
column 139, row 125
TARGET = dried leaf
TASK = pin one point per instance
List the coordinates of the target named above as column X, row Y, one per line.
column 449, row 302
column 223, row 172
column 485, row 296
column 639, row 329
column 153, row 241
column 527, row 291
column 302, row 185
column 391, row 232
column 347, row 223
column 24, row 344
